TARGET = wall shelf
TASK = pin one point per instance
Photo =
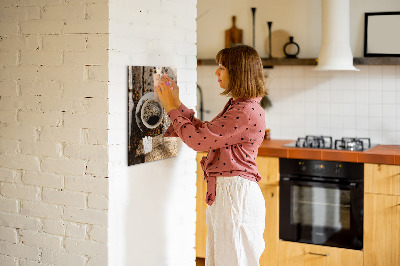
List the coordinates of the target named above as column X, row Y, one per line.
column 269, row 63
column 377, row 61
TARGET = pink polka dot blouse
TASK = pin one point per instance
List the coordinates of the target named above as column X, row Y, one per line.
column 232, row 139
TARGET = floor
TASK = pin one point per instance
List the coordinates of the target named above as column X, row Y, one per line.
column 200, row 262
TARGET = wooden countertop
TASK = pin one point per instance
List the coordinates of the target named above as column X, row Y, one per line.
column 380, row 154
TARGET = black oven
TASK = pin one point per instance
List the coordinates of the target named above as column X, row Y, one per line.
column 321, row 202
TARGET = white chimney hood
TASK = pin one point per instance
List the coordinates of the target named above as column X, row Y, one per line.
column 335, row 52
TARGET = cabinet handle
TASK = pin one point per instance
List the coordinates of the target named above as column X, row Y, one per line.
column 318, row 254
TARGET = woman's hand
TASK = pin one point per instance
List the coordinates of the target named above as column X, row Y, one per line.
column 175, row 91
column 165, row 95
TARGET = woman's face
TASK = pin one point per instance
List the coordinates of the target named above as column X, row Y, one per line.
column 223, row 76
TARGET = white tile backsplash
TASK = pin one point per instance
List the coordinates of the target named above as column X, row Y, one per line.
column 362, row 97
column 389, row 97
column 375, row 110
column 362, row 110
column 363, row 103
column 362, row 123
column 336, row 109
column 389, row 111
column 348, row 109
column 389, row 83
column 389, row 124
column 349, row 96
column 375, row 97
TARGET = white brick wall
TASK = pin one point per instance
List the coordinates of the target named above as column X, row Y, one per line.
column 53, row 132
column 152, row 205
column 63, row 133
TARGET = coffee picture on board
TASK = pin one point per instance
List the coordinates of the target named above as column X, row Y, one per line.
column 147, row 119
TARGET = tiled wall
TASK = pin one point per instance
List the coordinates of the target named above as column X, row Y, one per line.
column 337, row 103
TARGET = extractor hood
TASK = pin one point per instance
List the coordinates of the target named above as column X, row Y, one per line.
column 335, row 52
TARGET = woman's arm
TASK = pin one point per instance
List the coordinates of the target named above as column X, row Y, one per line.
column 232, row 128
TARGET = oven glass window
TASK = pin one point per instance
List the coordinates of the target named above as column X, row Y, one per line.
column 321, row 207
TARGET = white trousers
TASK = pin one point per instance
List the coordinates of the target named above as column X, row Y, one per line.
column 235, row 223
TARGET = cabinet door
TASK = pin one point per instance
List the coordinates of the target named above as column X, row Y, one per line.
column 268, row 167
column 381, row 230
column 299, row 254
column 382, row 179
column 201, row 205
column 271, row 232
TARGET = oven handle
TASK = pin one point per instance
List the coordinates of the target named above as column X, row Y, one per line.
column 310, row 182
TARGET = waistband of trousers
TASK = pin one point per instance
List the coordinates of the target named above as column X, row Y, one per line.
column 229, row 179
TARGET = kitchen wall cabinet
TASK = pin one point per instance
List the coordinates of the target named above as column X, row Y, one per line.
column 382, row 215
column 299, row 254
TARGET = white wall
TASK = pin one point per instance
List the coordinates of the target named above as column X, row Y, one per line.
column 301, row 19
column 63, row 131
column 152, row 205
column 337, row 103
column 53, row 133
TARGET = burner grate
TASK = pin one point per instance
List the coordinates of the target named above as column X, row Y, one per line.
column 326, row 142
column 353, row 144
column 322, row 142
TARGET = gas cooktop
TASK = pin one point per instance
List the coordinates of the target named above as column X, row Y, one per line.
column 326, row 142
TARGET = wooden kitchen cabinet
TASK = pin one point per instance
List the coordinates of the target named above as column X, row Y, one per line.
column 382, row 179
column 201, row 205
column 300, row 254
column 381, row 230
column 382, row 215
column 271, row 232
column 268, row 168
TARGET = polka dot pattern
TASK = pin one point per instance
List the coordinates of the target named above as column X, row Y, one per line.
column 232, row 139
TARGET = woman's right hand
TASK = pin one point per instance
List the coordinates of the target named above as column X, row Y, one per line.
column 175, row 90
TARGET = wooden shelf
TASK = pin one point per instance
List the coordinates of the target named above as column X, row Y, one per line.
column 377, row 61
column 269, row 63
column 289, row 62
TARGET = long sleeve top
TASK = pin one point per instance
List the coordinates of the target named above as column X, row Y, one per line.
column 232, row 139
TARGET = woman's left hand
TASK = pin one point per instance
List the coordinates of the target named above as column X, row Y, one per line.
column 165, row 95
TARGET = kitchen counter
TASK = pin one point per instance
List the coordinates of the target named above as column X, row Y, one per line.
column 380, row 154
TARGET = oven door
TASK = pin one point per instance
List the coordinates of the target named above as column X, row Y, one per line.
column 321, row 212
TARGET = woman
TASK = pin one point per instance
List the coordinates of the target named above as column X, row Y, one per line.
column 236, row 211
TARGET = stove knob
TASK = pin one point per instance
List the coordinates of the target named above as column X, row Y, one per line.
column 302, row 166
column 338, row 169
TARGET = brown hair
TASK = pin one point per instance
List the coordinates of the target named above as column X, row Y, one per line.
column 245, row 69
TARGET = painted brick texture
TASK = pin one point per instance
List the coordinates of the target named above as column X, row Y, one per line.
column 63, row 133
column 152, row 205
column 53, row 132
